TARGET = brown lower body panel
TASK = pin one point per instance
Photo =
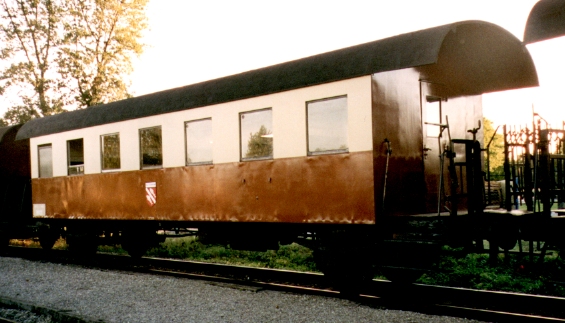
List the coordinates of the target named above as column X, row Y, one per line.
column 319, row 189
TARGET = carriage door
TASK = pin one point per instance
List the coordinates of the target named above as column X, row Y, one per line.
column 431, row 107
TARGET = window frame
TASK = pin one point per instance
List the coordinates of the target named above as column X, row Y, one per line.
column 433, row 99
column 102, row 153
column 141, row 148
column 39, row 148
column 243, row 159
column 186, row 162
column 332, row 151
column 69, row 166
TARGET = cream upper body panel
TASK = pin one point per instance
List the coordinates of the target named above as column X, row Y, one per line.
column 288, row 121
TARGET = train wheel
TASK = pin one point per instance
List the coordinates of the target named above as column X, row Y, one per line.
column 346, row 262
column 137, row 252
column 345, row 273
column 82, row 244
column 138, row 242
column 47, row 235
column 505, row 236
column 405, row 261
column 47, row 241
column 135, row 249
column 4, row 242
column 401, row 275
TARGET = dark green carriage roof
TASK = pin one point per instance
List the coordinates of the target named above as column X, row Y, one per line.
column 546, row 21
column 3, row 131
column 403, row 51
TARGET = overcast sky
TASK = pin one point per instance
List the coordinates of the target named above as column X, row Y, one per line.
column 193, row 41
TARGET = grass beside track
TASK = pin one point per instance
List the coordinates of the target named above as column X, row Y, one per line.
column 291, row 257
column 513, row 272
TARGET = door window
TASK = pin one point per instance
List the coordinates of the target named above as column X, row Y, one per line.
column 45, row 154
column 151, row 149
column 75, row 157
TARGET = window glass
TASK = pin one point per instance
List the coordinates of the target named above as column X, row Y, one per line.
column 198, row 141
column 151, row 147
column 256, row 134
column 327, row 125
column 433, row 115
column 110, row 146
column 75, row 157
column 45, row 156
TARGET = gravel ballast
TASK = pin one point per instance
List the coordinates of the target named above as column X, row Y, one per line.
column 113, row 296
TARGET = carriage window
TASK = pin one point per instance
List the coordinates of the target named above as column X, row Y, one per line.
column 110, row 150
column 45, row 156
column 256, row 134
column 75, row 157
column 327, row 125
column 151, row 149
column 198, row 141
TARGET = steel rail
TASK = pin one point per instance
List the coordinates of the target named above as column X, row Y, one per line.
column 436, row 300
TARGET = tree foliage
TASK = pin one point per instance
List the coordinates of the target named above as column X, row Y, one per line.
column 29, row 38
column 59, row 55
column 496, row 149
column 99, row 41
column 260, row 144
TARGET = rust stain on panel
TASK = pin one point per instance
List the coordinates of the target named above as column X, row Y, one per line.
column 413, row 180
column 320, row 189
column 397, row 117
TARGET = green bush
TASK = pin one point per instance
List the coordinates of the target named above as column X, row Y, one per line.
column 516, row 273
column 291, row 257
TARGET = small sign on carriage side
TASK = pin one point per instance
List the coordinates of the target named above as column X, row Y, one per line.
column 39, row 211
column 151, row 193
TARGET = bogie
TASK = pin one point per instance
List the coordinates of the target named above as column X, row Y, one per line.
column 138, row 241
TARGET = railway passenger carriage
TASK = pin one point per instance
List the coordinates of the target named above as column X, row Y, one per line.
column 224, row 182
column 276, row 153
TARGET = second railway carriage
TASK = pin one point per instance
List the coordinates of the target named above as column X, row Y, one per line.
column 262, row 157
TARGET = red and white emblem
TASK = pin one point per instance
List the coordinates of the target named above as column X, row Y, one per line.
column 151, row 193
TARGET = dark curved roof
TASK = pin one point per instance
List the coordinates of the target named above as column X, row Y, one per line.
column 407, row 50
column 546, row 20
column 5, row 130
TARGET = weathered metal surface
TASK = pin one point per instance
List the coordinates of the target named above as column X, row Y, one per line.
column 546, row 21
column 396, row 117
column 14, row 155
column 15, row 193
column 398, row 102
column 321, row 189
column 480, row 58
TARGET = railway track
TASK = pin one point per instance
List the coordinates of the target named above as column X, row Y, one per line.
column 437, row 300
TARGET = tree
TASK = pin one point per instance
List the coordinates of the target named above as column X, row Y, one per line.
column 496, row 149
column 29, row 36
column 61, row 54
column 100, row 39
column 260, row 144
